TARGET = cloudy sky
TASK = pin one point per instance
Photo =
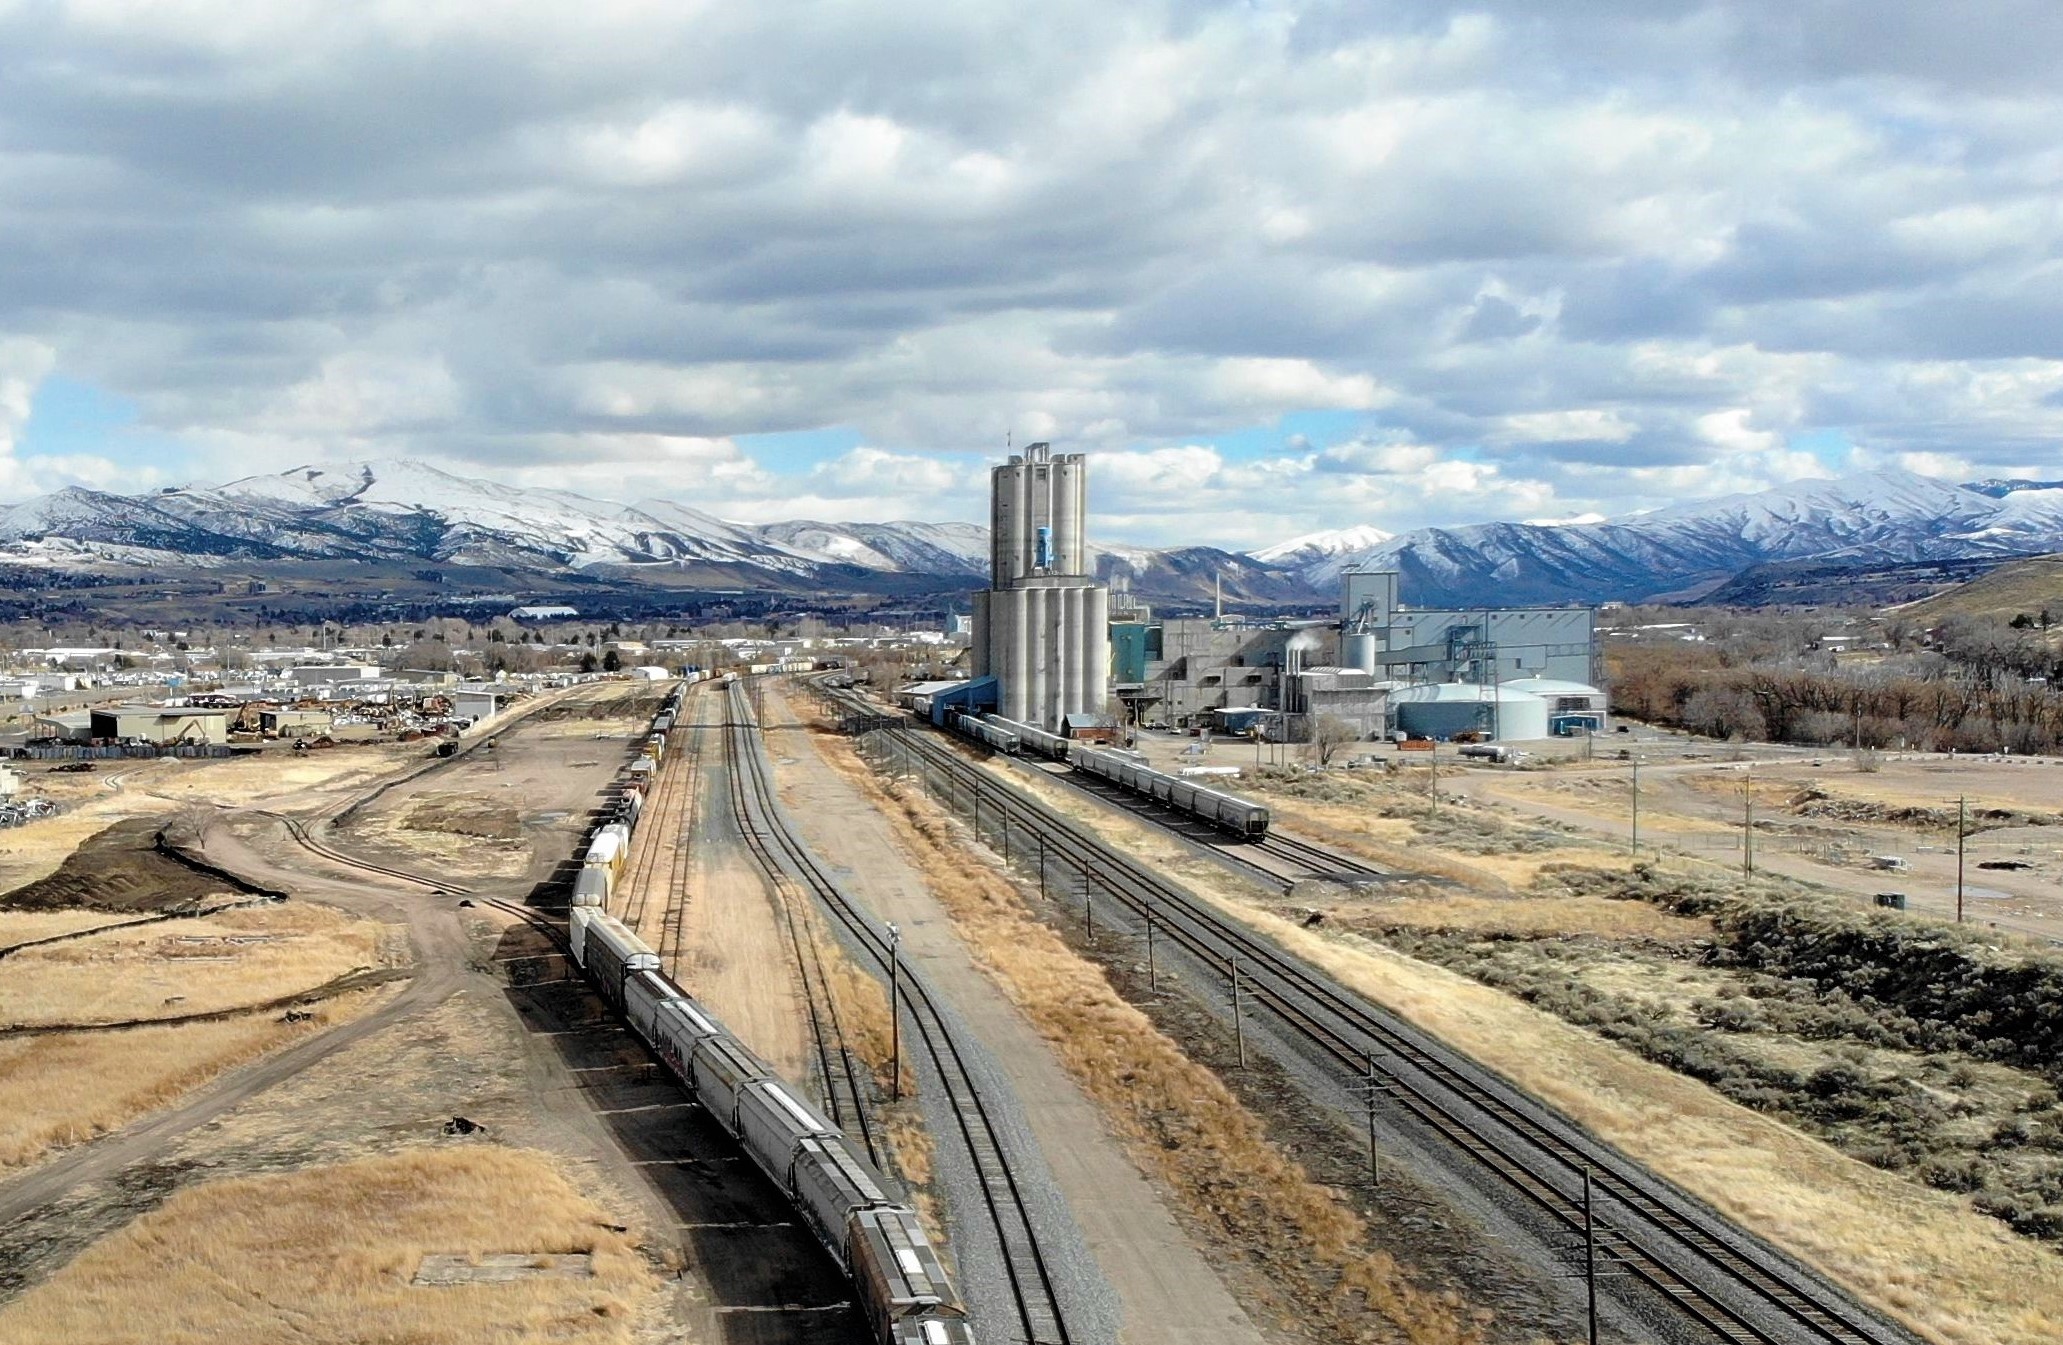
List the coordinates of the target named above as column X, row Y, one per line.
column 1280, row 267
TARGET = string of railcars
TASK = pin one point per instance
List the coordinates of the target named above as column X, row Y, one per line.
column 1227, row 812
column 903, row 1289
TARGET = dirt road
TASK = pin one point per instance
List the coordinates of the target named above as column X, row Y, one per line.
column 1167, row 1292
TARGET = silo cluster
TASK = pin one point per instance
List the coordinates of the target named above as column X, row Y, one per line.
column 1041, row 628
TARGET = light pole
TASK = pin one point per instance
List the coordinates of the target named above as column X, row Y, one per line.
column 895, row 1017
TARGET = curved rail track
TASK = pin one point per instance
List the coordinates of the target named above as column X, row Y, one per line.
column 1709, row 1270
column 1040, row 1313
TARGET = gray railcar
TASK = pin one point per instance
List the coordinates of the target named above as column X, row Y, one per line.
column 1227, row 812
column 773, row 1120
column 897, row 1273
column 832, row 1183
column 720, row 1070
column 681, row 1025
column 591, row 887
column 643, row 993
column 931, row 1331
column 613, row 953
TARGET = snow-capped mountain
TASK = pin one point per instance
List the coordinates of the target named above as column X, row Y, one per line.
column 410, row 514
column 1874, row 518
column 1319, row 556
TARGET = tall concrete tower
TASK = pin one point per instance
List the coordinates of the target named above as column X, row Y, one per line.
column 1042, row 627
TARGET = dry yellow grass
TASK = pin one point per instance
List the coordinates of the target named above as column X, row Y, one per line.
column 1951, row 1273
column 1176, row 1117
column 245, row 955
column 1526, row 916
column 326, row 1255
column 67, row 1088
column 275, row 773
column 19, row 927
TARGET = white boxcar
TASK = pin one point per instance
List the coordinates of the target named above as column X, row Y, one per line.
column 576, row 932
column 643, row 993
column 772, row 1121
column 721, row 1067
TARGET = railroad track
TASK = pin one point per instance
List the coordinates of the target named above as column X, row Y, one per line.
column 1040, row 1315
column 845, row 1092
column 306, row 840
column 664, row 819
column 1652, row 1233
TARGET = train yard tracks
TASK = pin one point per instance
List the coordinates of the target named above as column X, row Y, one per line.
column 1646, row 1232
column 1040, row 1315
column 667, row 822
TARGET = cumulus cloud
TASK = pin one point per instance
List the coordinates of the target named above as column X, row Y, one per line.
column 1553, row 260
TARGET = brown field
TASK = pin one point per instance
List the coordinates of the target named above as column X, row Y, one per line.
column 66, row 1088
column 1953, row 1274
column 1925, row 1255
column 482, row 836
column 327, row 1254
column 276, row 773
column 175, row 968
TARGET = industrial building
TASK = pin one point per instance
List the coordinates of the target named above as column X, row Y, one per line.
column 1041, row 626
column 1478, row 644
column 160, row 724
column 1512, row 673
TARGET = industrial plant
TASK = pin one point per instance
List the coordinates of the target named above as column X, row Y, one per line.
column 1049, row 651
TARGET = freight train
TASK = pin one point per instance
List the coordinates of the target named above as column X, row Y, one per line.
column 903, row 1290
column 1227, row 812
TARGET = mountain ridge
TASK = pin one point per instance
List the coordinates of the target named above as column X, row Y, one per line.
column 416, row 514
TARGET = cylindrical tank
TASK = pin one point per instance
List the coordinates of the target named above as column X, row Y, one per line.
column 1095, row 666
column 1358, row 651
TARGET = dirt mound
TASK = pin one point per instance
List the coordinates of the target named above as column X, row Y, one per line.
column 121, row 868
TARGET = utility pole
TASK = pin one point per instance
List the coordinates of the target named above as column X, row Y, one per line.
column 1962, row 829
column 1238, row 1027
column 1374, row 1174
column 1589, row 1256
column 1152, row 971
column 895, row 1016
column 1089, row 907
column 1748, row 822
column 1636, row 807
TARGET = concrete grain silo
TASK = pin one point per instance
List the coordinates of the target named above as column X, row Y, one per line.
column 1041, row 628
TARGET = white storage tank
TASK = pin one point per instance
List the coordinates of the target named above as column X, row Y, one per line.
column 1447, row 709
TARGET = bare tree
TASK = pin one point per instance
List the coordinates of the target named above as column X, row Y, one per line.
column 1329, row 733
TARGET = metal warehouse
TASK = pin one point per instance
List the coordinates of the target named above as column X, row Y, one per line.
column 161, row 724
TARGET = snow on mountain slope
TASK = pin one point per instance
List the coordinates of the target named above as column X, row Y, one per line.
column 901, row 547
column 409, row 512
column 1314, row 548
column 1872, row 518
